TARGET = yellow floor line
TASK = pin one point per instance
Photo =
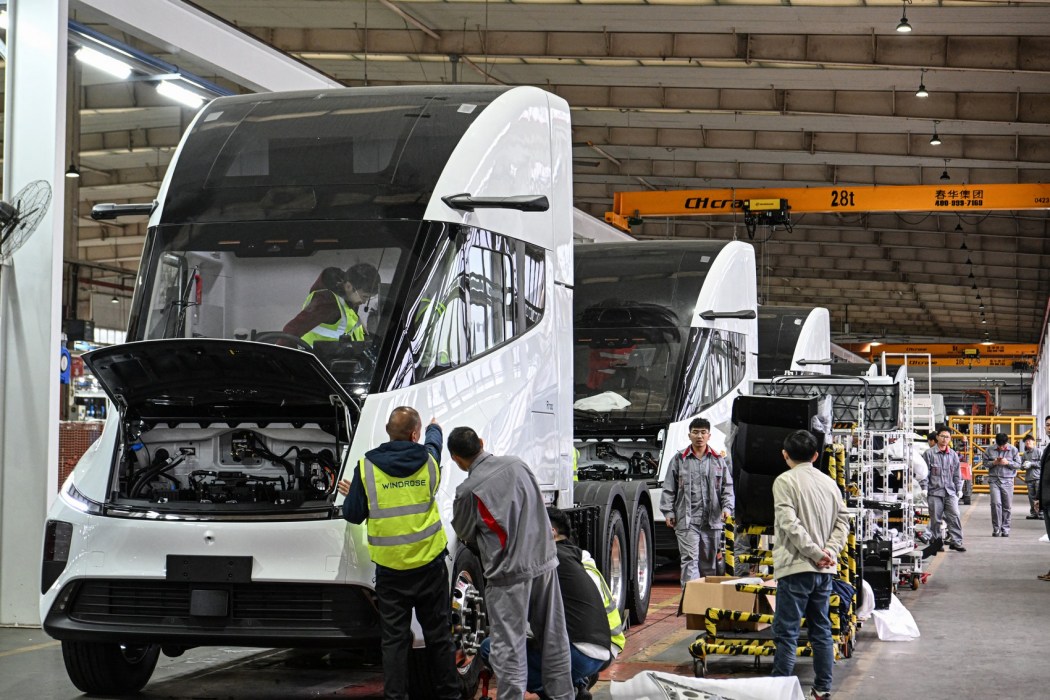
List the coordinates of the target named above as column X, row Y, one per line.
column 33, row 647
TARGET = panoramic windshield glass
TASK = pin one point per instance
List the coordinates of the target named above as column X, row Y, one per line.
column 633, row 307
column 326, row 287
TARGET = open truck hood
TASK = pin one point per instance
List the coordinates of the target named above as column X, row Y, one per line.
column 207, row 380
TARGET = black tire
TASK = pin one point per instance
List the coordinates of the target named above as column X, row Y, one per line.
column 102, row 668
column 641, row 583
column 615, row 561
column 467, row 572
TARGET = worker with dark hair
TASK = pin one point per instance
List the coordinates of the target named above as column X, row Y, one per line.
column 1002, row 462
column 943, row 486
column 1031, row 460
column 499, row 514
column 697, row 498
column 331, row 308
column 394, row 487
column 588, row 618
column 809, row 530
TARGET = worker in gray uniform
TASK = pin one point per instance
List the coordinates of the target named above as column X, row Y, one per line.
column 697, row 497
column 1031, row 460
column 943, row 486
column 499, row 514
column 1002, row 462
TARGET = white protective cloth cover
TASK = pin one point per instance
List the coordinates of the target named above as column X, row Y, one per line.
column 867, row 604
column 895, row 624
column 606, row 401
column 655, row 685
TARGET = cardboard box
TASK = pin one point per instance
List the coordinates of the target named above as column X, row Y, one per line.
column 710, row 592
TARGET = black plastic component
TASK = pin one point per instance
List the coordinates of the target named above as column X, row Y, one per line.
column 586, row 522
column 207, row 569
column 762, row 423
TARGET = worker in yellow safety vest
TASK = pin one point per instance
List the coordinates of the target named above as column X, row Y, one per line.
column 331, row 308
column 394, row 487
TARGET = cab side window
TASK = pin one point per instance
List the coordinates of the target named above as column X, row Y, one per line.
column 474, row 292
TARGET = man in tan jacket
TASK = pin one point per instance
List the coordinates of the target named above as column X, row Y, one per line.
column 809, row 529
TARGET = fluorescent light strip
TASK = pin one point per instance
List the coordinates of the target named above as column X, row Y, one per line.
column 107, row 64
column 179, row 94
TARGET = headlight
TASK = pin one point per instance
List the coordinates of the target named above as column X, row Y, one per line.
column 82, row 502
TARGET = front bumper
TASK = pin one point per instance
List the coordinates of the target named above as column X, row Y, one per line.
column 257, row 614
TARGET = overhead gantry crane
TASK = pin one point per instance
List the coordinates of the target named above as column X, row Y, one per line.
column 772, row 206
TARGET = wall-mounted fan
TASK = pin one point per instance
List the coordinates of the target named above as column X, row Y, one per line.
column 20, row 217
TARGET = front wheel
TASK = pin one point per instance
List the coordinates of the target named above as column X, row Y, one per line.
column 470, row 622
column 100, row 668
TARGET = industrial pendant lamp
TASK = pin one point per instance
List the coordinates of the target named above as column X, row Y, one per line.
column 922, row 92
column 72, row 172
column 945, row 175
column 935, row 140
column 903, row 27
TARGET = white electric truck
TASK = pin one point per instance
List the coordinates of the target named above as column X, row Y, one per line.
column 664, row 331
column 207, row 513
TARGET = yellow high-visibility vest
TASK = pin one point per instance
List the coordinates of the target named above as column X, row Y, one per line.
column 333, row 331
column 404, row 527
column 611, row 612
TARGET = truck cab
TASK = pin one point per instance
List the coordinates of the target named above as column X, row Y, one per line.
column 207, row 513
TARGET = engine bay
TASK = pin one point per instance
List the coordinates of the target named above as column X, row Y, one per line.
column 625, row 459
column 246, row 468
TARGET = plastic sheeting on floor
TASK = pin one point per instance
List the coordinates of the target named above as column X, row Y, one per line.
column 895, row 624
column 654, row 685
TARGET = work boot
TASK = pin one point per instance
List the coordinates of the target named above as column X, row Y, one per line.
column 956, row 547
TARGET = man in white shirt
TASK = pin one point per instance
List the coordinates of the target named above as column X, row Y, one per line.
column 809, row 530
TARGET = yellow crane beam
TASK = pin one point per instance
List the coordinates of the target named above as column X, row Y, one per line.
column 946, row 350
column 948, row 354
column 802, row 200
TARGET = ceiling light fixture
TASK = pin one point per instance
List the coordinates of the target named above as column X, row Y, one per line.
column 935, row 140
column 958, row 226
column 114, row 300
column 971, row 274
column 968, row 261
column 72, row 172
column 974, row 285
column 179, row 94
column 106, row 64
column 922, row 92
column 945, row 175
column 903, row 27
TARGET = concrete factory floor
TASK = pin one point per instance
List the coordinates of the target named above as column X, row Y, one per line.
column 983, row 615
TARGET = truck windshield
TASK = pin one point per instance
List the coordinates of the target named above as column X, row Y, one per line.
column 326, row 287
column 633, row 307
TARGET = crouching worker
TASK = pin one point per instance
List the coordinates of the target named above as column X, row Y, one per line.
column 394, row 487
column 591, row 617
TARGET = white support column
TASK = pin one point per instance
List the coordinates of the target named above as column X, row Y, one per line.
column 34, row 149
